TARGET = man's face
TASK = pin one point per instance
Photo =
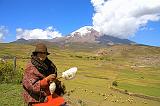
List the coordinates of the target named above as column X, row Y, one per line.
column 42, row 55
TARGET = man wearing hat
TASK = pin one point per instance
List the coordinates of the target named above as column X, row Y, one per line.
column 39, row 73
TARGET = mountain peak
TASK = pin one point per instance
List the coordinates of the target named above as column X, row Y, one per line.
column 82, row 31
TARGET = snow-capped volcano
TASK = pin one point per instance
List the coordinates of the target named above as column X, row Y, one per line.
column 90, row 35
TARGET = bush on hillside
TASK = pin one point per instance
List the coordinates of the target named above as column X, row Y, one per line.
column 78, row 56
column 8, row 75
column 115, row 83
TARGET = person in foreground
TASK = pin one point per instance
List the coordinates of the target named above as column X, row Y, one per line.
column 39, row 73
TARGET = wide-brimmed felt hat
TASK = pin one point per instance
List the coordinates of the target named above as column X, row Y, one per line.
column 41, row 48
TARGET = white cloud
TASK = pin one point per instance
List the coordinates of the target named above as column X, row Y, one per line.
column 3, row 32
column 48, row 33
column 122, row 18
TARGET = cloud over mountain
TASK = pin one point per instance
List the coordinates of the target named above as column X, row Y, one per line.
column 123, row 18
column 3, row 32
column 47, row 33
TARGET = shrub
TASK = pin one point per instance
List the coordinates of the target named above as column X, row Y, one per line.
column 8, row 75
column 125, row 91
column 115, row 83
column 78, row 56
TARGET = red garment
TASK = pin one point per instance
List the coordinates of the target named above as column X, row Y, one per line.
column 55, row 101
column 35, row 86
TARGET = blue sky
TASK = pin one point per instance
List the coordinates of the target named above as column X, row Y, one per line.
column 61, row 17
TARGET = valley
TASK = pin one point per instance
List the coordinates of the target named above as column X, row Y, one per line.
column 134, row 68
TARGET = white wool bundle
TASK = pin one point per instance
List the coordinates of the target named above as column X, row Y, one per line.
column 69, row 74
column 52, row 87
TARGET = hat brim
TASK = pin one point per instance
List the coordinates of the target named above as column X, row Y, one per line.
column 39, row 52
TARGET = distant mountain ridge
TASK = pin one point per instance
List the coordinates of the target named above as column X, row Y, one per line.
column 86, row 34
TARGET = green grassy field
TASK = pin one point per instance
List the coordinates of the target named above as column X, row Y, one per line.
column 95, row 74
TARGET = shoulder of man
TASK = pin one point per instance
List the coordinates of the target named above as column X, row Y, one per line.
column 51, row 63
column 30, row 68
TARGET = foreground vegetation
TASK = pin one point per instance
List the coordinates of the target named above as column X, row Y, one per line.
column 132, row 68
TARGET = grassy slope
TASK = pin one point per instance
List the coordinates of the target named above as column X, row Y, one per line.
column 11, row 95
column 95, row 75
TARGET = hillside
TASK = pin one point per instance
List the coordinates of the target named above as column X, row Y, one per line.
column 139, row 54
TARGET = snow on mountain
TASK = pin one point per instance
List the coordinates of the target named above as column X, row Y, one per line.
column 82, row 31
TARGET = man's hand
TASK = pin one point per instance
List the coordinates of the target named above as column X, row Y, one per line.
column 50, row 78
